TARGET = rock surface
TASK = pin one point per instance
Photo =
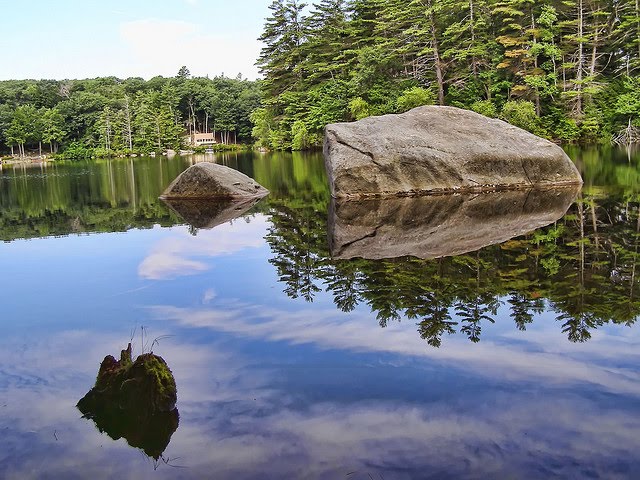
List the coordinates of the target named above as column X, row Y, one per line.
column 210, row 180
column 439, row 149
column 434, row 226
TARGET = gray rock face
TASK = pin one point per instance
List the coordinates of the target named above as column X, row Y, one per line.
column 434, row 226
column 210, row 180
column 439, row 149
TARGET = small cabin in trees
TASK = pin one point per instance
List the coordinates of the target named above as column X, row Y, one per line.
column 202, row 139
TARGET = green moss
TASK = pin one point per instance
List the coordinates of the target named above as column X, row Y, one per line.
column 135, row 400
column 156, row 369
column 146, row 383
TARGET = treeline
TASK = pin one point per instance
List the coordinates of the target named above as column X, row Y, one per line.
column 108, row 116
column 564, row 69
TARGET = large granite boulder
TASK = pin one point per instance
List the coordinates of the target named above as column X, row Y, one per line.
column 434, row 226
column 210, row 180
column 439, row 149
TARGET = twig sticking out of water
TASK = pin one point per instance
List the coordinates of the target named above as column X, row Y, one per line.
column 167, row 461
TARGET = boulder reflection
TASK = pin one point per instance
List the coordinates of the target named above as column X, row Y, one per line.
column 210, row 213
column 440, row 225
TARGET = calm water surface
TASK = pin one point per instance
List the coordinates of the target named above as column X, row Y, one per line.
column 517, row 360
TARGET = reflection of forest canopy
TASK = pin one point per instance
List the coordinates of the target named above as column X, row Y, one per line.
column 117, row 195
column 97, row 196
column 583, row 267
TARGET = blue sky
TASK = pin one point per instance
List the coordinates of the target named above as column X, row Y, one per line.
column 90, row 38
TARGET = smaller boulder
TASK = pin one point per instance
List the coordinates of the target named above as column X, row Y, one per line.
column 146, row 382
column 210, row 180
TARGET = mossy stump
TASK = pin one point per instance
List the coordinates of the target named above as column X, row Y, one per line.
column 135, row 400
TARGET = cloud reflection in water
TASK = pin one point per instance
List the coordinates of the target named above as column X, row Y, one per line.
column 179, row 254
column 535, row 414
column 289, row 391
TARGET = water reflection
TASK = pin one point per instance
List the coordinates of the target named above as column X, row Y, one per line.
column 181, row 254
column 277, row 387
column 208, row 214
column 401, row 412
column 440, row 225
column 86, row 196
column 582, row 267
column 471, row 412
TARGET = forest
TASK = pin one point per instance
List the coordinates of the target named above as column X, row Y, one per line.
column 108, row 116
column 566, row 70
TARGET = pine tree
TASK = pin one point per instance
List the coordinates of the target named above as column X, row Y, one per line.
column 283, row 36
column 626, row 36
column 328, row 39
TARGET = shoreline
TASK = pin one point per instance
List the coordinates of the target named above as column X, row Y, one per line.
column 25, row 160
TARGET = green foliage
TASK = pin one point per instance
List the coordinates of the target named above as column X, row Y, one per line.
column 522, row 113
column 347, row 59
column 124, row 115
column 485, row 107
column 359, row 108
column 590, row 130
column 261, row 126
column 561, row 127
column 53, row 127
column 299, row 135
column 328, row 103
column 279, row 139
column 415, row 97
column 628, row 103
column 76, row 151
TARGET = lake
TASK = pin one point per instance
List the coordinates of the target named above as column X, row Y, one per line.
column 294, row 357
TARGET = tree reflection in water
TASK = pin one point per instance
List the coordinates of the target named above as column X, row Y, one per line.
column 582, row 267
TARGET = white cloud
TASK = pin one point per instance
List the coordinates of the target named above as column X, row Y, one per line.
column 161, row 47
column 163, row 266
column 177, row 255
column 356, row 332
column 240, row 420
column 209, row 295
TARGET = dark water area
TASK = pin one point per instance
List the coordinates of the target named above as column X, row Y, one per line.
column 483, row 336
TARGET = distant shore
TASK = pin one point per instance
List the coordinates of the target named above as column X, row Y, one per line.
column 25, row 160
